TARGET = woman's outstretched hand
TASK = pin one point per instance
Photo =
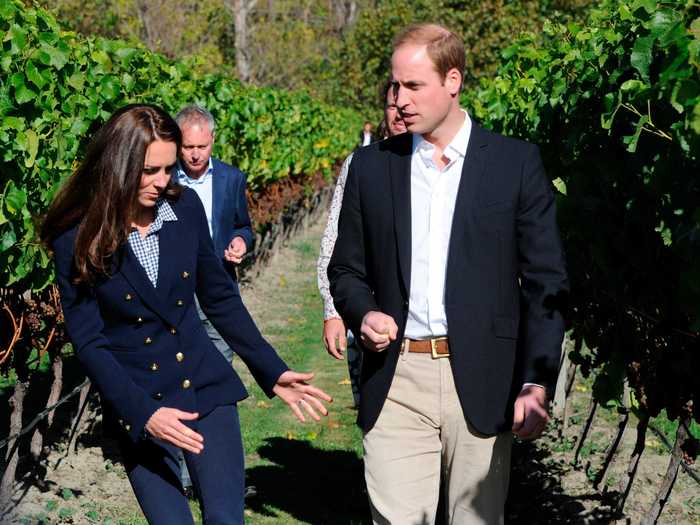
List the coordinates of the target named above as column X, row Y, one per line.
column 293, row 388
column 165, row 425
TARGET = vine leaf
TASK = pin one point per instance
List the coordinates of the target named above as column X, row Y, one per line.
column 642, row 55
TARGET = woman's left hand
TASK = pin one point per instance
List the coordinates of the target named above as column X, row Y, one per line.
column 293, row 388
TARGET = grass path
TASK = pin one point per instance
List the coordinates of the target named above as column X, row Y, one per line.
column 304, row 473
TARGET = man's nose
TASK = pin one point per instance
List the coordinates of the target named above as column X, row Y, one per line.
column 401, row 98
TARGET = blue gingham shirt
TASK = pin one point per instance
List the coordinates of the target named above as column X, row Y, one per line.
column 147, row 249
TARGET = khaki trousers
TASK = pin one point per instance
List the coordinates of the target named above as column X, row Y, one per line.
column 420, row 434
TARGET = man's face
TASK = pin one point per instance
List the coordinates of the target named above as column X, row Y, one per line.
column 423, row 97
column 197, row 141
column 392, row 116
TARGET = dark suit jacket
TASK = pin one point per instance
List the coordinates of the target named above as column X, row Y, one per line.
column 505, row 280
column 361, row 138
column 229, row 210
column 145, row 347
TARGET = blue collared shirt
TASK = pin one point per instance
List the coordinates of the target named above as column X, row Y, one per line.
column 202, row 186
column 147, row 249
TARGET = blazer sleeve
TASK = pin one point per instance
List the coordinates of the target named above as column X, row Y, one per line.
column 347, row 273
column 544, row 282
column 221, row 302
column 242, row 225
column 84, row 325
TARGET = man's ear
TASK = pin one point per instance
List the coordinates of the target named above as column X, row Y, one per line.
column 453, row 81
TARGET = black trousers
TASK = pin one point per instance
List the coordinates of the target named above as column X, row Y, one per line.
column 217, row 474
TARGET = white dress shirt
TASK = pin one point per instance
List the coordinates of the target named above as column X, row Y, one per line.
column 366, row 138
column 433, row 197
column 203, row 187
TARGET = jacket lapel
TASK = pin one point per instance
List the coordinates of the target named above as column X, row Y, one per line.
column 134, row 273
column 400, row 169
column 218, row 189
column 472, row 172
column 168, row 246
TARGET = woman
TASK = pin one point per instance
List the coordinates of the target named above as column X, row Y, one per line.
column 131, row 250
column 333, row 326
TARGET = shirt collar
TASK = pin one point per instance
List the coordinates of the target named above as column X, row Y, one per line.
column 184, row 178
column 456, row 148
column 164, row 213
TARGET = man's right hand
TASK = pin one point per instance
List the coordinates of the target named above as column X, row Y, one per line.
column 377, row 331
column 334, row 337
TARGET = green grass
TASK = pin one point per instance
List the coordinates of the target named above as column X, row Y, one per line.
column 304, row 473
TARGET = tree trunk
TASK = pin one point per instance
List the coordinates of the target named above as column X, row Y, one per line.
column 652, row 515
column 240, row 9
column 626, row 485
column 12, row 455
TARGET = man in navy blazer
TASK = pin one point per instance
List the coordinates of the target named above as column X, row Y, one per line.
column 222, row 190
column 449, row 268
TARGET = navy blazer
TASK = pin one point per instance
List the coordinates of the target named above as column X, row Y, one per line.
column 229, row 210
column 506, row 277
column 146, row 347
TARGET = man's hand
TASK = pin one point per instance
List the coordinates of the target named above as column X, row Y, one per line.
column 530, row 414
column 377, row 331
column 334, row 337
column 293, row 388
column 236, row 250
column 165, row 425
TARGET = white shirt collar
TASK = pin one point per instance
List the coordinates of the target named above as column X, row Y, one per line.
column 183, row 176
column 456, row 148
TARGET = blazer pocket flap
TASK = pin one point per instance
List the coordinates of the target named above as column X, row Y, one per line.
column 506, row 327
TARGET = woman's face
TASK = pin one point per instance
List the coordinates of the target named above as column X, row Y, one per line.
column 160, row 160
column 393, row 119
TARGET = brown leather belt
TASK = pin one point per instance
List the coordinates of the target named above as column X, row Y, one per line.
column 437, row 347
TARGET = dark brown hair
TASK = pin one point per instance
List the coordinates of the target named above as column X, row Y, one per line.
column 101, row 196
column 444, row 47
column 383, row 127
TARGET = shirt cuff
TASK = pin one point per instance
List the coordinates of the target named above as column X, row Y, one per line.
column 525, row 385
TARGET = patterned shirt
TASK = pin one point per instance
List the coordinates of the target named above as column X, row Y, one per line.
column 328, row 243
column 147, row 249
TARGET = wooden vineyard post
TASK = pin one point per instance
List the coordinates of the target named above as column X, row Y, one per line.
column 586, row 428
column 80, row 417
column 12, row 454
column 626, row 484
column 669, row 480
column 55, row 393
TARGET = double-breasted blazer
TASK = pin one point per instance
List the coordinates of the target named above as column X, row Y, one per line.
column 145, row 347
column 505, row 282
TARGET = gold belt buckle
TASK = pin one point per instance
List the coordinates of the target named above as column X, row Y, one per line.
column 433, row 348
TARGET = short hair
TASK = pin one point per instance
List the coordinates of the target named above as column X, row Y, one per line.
column 193, row 113
column 384, row 88
column 444, row 47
